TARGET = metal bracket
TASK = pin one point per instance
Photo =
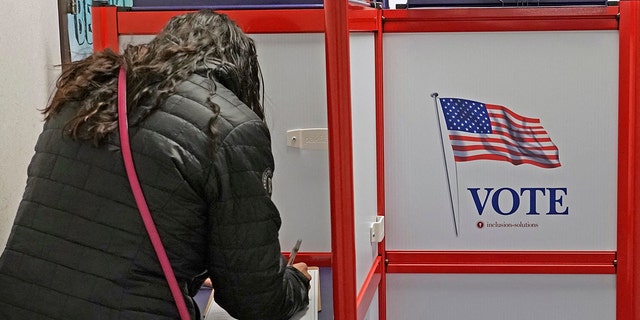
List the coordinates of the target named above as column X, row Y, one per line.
column 72, row 7
column 308, row 138
column 376, row 233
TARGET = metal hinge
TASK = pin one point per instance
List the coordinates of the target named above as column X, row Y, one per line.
column 72, row 6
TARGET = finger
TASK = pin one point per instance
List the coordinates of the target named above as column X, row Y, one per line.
column 302, row 267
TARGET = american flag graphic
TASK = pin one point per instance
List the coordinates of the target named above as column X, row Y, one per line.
column 480, row 131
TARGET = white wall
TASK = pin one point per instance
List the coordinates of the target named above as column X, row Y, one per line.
column 29, row 59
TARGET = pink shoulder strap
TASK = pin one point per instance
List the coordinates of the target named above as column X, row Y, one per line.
column 140, row 200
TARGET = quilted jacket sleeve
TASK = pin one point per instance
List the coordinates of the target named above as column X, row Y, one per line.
column 248, row 271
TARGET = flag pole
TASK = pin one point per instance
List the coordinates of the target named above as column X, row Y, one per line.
column 446, row 164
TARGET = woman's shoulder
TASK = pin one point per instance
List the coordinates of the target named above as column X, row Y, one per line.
column 230, row 111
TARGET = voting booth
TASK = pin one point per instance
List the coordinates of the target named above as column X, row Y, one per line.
column 449, row 163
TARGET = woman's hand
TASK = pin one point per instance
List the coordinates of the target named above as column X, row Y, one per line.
column 302, row 267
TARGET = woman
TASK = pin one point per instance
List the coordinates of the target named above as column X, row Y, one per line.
column 78, row 248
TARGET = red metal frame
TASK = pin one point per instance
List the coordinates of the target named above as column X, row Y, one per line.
column 316, row 259
column 108, row 24
column 582, row 262
column 363, row 19
column 379, row 74
column 104, row 23
column 251, row 21
column 340, row 160
column 628, row 276
column 501, row 19
column 369, row 287
column 523, row 262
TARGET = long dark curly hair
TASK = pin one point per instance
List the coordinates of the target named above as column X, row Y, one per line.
column 188, row 42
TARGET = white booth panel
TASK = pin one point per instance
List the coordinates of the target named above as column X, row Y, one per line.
column 293, row 67
column 568, row 80
column 500, row 296
column 373, row 311
column 363, row 119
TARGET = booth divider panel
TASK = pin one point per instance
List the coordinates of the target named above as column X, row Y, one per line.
column 434, row 202
column 496, row 296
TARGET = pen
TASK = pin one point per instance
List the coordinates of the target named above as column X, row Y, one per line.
column 294, row 252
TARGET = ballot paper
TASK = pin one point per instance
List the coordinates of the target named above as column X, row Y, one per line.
column 215, row 312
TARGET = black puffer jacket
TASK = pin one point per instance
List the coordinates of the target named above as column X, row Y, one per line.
column 78, row 248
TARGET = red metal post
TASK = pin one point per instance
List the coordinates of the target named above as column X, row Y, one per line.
column 379, row 67
column 628, row 273
column 104, row 28
column 340, row 159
